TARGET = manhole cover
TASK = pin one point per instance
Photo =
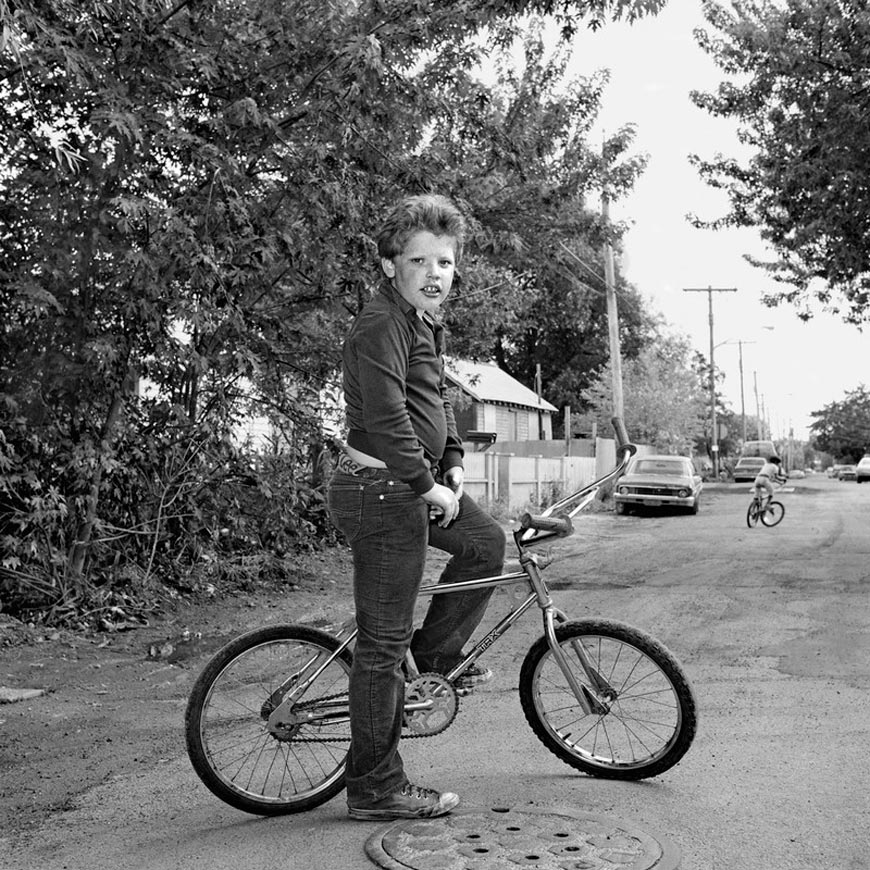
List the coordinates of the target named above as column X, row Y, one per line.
column 507, row 839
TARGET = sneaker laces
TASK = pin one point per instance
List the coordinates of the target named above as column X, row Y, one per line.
column 418, row 792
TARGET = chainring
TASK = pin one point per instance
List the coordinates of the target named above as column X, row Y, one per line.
column 435, row 718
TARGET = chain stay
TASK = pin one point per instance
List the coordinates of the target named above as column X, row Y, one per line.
column 417, row 723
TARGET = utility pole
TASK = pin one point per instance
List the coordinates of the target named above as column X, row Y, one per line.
column 539, row 389
column 612, row 313
column 742, row 400
column 740, row 344
column 758, row 431
column 714, row 438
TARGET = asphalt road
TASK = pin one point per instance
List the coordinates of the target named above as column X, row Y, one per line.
column 773, row 628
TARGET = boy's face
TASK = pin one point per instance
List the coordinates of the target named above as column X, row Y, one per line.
column 423, row 272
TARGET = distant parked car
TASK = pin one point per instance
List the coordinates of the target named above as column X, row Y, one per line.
column 848, row 472
column 656, row 481
column 797, row 474
column 835, row 471
column 764, row 449
column 862, row 469
column 747, row 467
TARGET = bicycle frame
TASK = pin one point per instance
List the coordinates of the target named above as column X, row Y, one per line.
column 763, row 500
column 292, row 689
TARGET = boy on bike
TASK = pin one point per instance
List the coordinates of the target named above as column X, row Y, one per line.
column 771, row 470
column 398, row 488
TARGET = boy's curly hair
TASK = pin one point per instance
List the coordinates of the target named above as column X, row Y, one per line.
column 427, row 211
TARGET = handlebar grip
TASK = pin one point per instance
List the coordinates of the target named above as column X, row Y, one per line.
column 562, row 526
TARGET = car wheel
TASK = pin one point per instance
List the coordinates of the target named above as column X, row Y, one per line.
column 694, row 508
column 619, row 507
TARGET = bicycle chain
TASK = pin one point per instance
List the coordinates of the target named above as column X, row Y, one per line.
column 407, row 734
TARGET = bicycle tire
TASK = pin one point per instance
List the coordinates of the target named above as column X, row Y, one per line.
column 650, row 720
column 774, row 514
column 752, row 514
column 228, row 739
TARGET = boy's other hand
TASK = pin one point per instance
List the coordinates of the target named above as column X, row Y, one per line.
column 443, row 504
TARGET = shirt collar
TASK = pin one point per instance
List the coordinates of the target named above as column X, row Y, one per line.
column 393, row 295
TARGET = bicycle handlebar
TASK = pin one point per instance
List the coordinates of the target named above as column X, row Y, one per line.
column 622, row 442
column 555, row 521
column 560, row 526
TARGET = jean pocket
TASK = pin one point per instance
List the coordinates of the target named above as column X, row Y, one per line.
column 345, row 502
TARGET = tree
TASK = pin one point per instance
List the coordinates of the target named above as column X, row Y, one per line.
column 187, row 192
column 522, row 162
column 843, row 428
column 729, row 424
column 663, row 399
column 801, row 94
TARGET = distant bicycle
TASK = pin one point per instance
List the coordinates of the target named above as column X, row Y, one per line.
column 770, row 514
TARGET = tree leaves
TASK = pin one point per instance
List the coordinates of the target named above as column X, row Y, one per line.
column 843, row 428
column 801, row 96
column 187, row 194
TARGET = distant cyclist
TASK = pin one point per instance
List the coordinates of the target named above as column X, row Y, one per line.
column 770, row 471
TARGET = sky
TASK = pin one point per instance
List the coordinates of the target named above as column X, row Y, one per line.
column 798, row 367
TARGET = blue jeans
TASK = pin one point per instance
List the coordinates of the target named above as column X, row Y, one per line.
column 387, row 526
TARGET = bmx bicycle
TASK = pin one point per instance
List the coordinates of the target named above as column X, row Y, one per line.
column 267, row 722
column 770, row 514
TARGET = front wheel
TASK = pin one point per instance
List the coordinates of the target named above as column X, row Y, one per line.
column 752, row 513
column 263, row 764
column 644, row 717
column 774, row 513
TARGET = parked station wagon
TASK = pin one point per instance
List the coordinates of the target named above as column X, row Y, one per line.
column 656, row 481
column 747, row 468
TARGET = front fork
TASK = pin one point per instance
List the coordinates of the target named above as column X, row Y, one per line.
column 590, row 704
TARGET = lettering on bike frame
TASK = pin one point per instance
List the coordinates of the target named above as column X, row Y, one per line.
column 486, row 642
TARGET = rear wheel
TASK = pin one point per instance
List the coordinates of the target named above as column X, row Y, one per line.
column 773, row 514
column 256, row 764
column 644, row 715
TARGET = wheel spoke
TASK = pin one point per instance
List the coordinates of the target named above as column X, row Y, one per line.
column 644, row 726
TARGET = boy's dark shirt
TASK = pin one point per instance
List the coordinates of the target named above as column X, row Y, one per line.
column 397, row 407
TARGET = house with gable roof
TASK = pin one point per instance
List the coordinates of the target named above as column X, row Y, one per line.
column 497, row 403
